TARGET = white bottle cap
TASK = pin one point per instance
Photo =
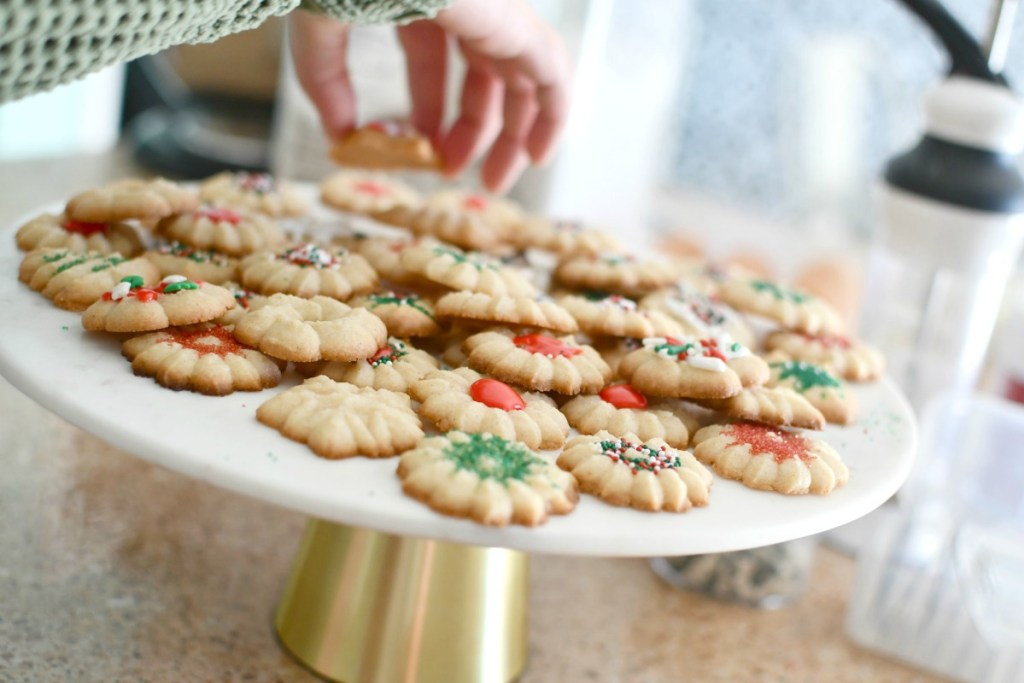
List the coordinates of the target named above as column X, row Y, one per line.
column 976, row 113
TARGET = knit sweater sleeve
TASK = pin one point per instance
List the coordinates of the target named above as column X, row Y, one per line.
column 44, row 43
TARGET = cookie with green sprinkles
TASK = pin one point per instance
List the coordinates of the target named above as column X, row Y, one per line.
column 487, row 479
column 790, row 308
column 131, row 306
column 822, row 389
column 75, row 279
column 405, row 314
column 395, row 366
column 175, row 258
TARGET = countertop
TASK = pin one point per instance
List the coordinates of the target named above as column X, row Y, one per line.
column 112, row 569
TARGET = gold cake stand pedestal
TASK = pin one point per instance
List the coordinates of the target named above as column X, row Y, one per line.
column 368, row 607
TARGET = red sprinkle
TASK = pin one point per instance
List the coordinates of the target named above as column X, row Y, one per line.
column 219, row 215
column 382, row 352
column 221, row 344
column 372, row 188
column 545, row 345
column 83, row 228
column 475, row 202
column 623, row 396
column 495, row 394
column 771, row 440
column 711, row 349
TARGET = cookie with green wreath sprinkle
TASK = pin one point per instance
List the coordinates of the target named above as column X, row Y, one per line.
column 308, row 270
column 525, row 311
column 175, row 258
column 621, row 409
column 630, row 472
column 340, row 420
column 790, row 308
column 405, row 314
column 204, row 358
column 601, row 314
column 688, row 367
column 488, row 479
column 260, row 192
column 395, row 366
column 770, row 458
column 231, row 231
column 613, row 272
column 823, row 389
column 466, row 400
column 464, row 270
column 131, row 306
column 74, row 280
column 52, row 230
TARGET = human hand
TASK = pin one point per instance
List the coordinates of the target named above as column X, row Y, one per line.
column 515, row 96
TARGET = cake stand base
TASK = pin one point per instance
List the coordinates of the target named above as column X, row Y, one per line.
column 367, row 607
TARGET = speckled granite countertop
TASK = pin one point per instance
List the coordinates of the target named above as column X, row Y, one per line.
column 112, row 569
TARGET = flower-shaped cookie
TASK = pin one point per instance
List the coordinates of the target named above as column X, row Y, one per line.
column 770, row 458
column 231, row 231
column 457, row 269
column 777, row 406
column 527, row 311
column 465, row 219
column 204, row 358
column 386, row 144
column 130, row 198
column 563, row 237
column 851, row 359
column 244, row 299
column 130, row 306
column 600, row 314
column 50, row 230
column 306, row 330
column 394, row 366
column 308, row 270
column 621, row 409
column 613, row 272
column 466, row 400
column 789, row 308
column 631, row 472
column 339, row 420
column 198, row 264
column 404, row 314
column 488, row 479
column 367, row 193
column 821, row 388
column 257, row 191
column 699, row 314
column 714, row 367
column 74, row 280
column 538, row 361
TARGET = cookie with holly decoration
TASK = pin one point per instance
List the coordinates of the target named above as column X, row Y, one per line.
column 563, row 237
column 779, row 406
column 790, row 308
column 613, row 272
column 260, row 192
column 688, row 367
column 537, row 361
column 698, row 314
column 614, row 315
column 770, row 458
column 620, row 409
column 340, row 420
column 307, row 330
column 527, row 311
column 466, row 400
column 204, row 358
column 308, row 270
column 367, row 193
column 386, row 145
column 631, row 472
column 394, row 366
column 405, row 314
column 198, row 264
column 130, row 198
column 74, row 280
column 465, row 219
column 487, row 479
column 849, row 358
column 823, row 389
column 53, row 231
column 231, row 231
column 131, row 306
column 461, row 270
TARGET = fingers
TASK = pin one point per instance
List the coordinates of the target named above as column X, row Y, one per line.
column 479, row 119
column 426, row 57
column 319, row 46
column 508, row 156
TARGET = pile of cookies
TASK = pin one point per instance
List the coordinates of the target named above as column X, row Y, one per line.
column 465, row 336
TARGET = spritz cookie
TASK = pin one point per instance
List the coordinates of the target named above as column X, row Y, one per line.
column 394, row 366
column 367, row 193
column 340, row 420
column 779, row 406
column 456, row 269
column 563, row 237
column 131, row 306
column 308, row 270
column 131, row 198
column 260, row 192
column 74, row 280
column 631, row 472
column 404, row 314
column 770, row 458
column 488, row 479
column 306, row 330
column 824, row 390
column 529, row 311
column 789, row 308
column 851, row 359
column 51, row 230
column 613, row 272
column 621, row 409
column 600, row 314
column 715, row 367
column 204, row 358
column 198, row 264
column 465, row 219
column 699, row 314
column 538, row 361
column 231, row 231
column 244, row 299
column 386, row 145
column 385, row 255
column 466, row 400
